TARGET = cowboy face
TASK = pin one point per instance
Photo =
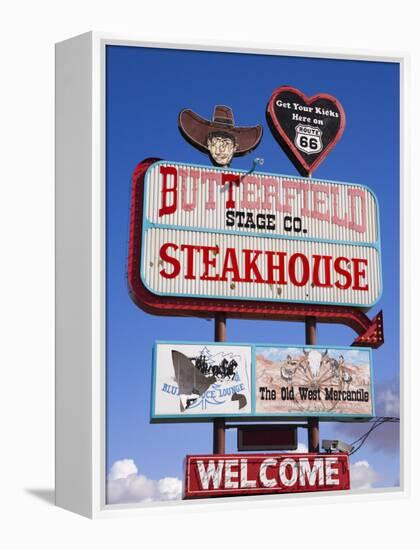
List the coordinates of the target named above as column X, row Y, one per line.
column 221, row 148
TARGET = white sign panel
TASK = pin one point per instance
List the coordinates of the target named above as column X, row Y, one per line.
column 229, row 200
column 201, row 380
column 216, row 233
column 238, row 267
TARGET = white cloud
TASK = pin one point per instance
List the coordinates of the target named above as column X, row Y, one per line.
column 170, row 488
column 362, row 475
column 278, row 354
column 355, row 356
column 386, row 437
column 301, row 448
column 388, row 401
column 126, row 485
column 122, row 469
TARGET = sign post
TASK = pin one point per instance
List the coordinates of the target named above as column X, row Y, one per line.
column 219, row 428
column 313, row 422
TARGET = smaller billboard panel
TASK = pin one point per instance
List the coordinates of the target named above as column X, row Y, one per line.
column 250, row 474
column 205, row 380
column 300, row 380
column 196, row 380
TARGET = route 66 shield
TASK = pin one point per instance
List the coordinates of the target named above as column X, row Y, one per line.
column 308, row 139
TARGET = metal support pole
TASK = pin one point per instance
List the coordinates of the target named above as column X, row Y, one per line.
column 313, row 423
column 219, row 445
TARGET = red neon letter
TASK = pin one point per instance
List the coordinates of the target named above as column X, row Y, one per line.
column 359, row 273
column 166, row 208
column 230, row 265
column 345, row 273
column 251, row 266
column 305, row 269
column 317, row 271
column 190, row 248
column 272, row 267
column 168, row 259
column 232, row 180
column 357, row 196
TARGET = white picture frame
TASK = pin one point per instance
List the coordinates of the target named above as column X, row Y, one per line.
column 80, row 268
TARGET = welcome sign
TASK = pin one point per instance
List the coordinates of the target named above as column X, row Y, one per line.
column 220, row 233
column 253, row 474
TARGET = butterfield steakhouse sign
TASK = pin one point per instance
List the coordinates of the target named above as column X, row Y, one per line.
column 217, row 233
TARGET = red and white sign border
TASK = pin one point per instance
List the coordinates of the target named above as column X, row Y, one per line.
column 370, row 332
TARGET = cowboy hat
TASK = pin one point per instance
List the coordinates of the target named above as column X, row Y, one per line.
column 197, row 129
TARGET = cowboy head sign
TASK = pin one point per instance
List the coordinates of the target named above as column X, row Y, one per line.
column 307, row 128
column 219, row 137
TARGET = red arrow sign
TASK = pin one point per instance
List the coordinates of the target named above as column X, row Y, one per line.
column 373, row 336
column 370, row 332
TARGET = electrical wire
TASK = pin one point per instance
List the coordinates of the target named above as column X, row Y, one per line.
column 376, row 422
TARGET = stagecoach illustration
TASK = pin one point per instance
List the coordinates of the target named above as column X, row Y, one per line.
column 224, row 370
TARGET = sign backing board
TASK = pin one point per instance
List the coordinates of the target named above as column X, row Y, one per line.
column 201, row 381
column 323, row 380
column 267, row 437
column 198, row 380
column 252, row 474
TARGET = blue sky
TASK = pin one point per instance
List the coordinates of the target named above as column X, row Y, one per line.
column 146, row 89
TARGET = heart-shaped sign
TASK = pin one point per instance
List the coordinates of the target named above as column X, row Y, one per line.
column 307, row 128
